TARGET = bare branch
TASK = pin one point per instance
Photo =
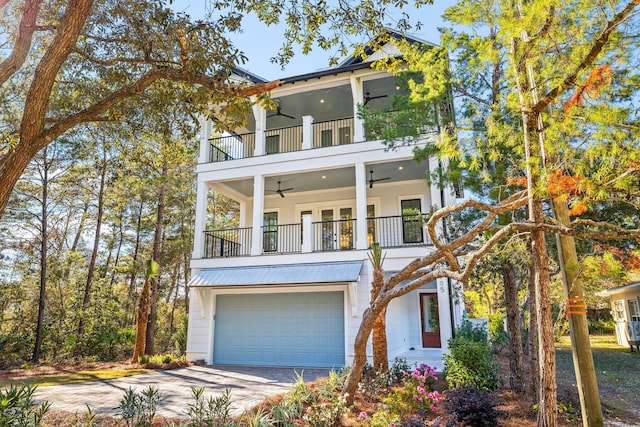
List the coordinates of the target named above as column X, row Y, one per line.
column 588, row 60
column 23, row 39
column 97, row 110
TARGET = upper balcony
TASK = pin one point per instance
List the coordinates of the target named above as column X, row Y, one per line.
column 309, row 115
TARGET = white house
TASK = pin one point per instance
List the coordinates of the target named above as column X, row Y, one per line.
column 625, row 304
column 289, row 285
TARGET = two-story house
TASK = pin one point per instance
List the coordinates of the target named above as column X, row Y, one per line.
column 288, row 286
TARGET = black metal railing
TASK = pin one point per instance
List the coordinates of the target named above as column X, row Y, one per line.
column 397, row 231
column 333, row 132
column 283, row 239
column 227, row 243
column 334, row 235
column 237, row 146
column 283, row 140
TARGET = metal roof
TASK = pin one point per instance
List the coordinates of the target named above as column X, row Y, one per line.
column 613, row 291
column 325, row 272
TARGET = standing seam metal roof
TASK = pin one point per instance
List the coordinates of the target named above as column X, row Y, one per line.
column 326, row 272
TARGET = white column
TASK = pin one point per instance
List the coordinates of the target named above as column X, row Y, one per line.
column 358, row 98
column 260, row 115
column 444, row 313
column 361, row 206
column 307, row 132
column 307, row 233
column 201, row 220
column 436, row 194
column 258, row 214
column 205, row 134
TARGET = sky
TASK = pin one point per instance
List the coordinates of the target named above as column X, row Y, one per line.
column 260, row 43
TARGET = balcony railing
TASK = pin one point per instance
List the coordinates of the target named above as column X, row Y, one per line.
column 327, row 236
column 230, row 242
column 283, row 140
column 398, row 231
column 237, row 146
column 333, row 132
column 283, row 239
column 334, row 235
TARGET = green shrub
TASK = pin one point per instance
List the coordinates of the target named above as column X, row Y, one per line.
column 472, row 407
column 138, row 409
column 470, row 361
column 17, row 408
column 327, row 413
column 214, row 411
column 416, row 394
column 398, row 369
column 602, row 327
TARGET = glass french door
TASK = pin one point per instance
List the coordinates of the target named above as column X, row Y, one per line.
column 336, row 229
column 411, row 221
column 429, row 319
column 270, row 232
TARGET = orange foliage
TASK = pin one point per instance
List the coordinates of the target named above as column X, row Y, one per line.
column 559, row 185
column 629, row 259
column 598, row 77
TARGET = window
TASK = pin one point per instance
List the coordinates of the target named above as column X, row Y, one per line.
column 619, row 310
column 326, row 138
column 411, row 221
column 270, row 232
column 346, row 228
column 371, row 224
column 634, row 311
column 272, row 144
column 344, row 135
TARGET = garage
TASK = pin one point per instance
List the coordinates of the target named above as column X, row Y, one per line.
column 303, row 329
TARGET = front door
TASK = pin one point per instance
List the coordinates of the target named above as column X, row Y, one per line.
column 429, row 320
column 336, row 234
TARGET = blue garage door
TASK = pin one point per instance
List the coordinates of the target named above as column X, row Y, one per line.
column 292, row 329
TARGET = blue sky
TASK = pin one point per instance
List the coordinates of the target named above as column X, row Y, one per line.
column 260, row 42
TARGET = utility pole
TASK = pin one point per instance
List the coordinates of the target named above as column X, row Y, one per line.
column 578, row 329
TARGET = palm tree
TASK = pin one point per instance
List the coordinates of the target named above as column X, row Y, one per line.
column 379, row 331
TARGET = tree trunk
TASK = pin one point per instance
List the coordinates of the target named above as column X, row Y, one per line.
column 143, row 304
column 37, row 348
column 379, row 343
column 516, row 363
column 578, row 328
column 130, row 306
column 96, row 244
column 360, row 354
column 534, row 384
column 157, row 245
column 379, row 332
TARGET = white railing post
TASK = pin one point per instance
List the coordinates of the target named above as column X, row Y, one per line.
column 205, row 144
column 258, row 214
column 361, row 206
column 307, row 132
column 307, row 233
column 260, row 114
column 358, row 98
column 201, row 220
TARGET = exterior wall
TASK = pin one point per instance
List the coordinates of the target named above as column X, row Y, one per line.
column 624, row 296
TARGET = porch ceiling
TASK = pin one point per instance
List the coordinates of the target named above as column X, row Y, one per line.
column 334, row 178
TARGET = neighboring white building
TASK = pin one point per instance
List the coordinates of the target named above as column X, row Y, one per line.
column 289, row 286
column 625, row 304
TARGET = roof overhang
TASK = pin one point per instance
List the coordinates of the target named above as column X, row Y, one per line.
column 614, row 291
column 277, row 275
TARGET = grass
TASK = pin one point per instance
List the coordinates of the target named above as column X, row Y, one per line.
column 617, row 371
column 76, row 377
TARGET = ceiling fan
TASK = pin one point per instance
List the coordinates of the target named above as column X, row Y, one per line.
column 368, row 97
column 280, row 113
column 281, row 191
column 373, row 181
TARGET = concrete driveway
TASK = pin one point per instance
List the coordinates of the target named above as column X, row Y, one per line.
column 248, row 386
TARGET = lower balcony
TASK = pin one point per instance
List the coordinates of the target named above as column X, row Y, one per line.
column 323, row 236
